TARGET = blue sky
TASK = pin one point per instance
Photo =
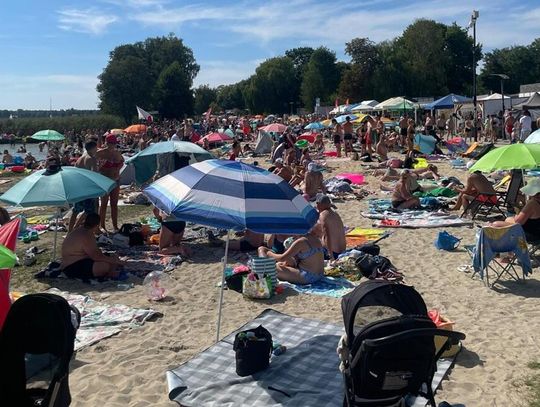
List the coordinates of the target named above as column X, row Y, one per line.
column 56, row 48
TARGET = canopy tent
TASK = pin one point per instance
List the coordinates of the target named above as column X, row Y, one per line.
column 493, row 96
column 341, row 109
column 165, row 157
column 447, row 102
column 396, row 103
column 264, row 143
column 424, row 144
column 532, row 103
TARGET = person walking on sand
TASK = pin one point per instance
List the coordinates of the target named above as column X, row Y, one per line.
column 336, row 137
column 348, row 135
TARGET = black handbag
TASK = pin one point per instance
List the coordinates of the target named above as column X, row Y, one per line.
column 253, row 349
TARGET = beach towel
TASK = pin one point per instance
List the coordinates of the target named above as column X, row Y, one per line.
column 358, row 236
column 100, row 321
column 384, row 205
column 307, row 374
column 436, row 192
column 335, row 287
column 416, row 219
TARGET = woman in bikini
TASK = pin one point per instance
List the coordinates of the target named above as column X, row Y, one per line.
column 336, row 136
column 307, row 253
column 110, row 162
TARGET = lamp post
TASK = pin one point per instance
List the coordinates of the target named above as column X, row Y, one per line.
column 474, row 16
column 503, row 78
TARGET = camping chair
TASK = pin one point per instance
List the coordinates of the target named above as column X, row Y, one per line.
column 510, row 196
column 491, row 242
column 386, row 360
column 484, row 204
column 470, row 150
column 38, row 328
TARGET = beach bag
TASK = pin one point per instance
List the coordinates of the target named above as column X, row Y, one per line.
column 369, row 248
column 446, row 241
column 257, row 286
column 235, row 281
column 253, row 349
column 370, row 266
column 134, row 232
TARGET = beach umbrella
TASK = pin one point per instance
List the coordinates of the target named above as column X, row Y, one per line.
column 234, row 196
column 310, row 137
column 275, row 128
column 59, row 188
column 533, row 138
column 146, row 161
column 136, row 128
column 229, row 133
column 512, row 157
column 314, row 126
column 343, row 118
column 215, row 138
column 8, row 240
column 48, row 135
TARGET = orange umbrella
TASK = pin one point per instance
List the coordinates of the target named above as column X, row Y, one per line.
column 136, row 128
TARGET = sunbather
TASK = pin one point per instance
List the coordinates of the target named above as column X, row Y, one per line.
column 476, row 184
column 313, row 182
column 171, row 234
column 284, row 171
column 330, row 227
column 402, row 197
column 249, row 242
column 307, row 253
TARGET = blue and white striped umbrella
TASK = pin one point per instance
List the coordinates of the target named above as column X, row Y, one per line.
column 233, row 195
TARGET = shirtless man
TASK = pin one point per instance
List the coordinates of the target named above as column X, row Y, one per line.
column 476, row 184
column 313, row 182
column 347, row 135
column 7, row 158
column 81, row 257
column 331, row 227
column 282, row 170
column 87, row 161
column 381, row 149
column 403, row 124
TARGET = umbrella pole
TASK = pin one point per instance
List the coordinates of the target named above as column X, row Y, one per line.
column 222, row 284
column 53, row 256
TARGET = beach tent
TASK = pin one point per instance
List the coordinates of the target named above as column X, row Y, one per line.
column 447, row 102
column 532, row 103
column 396, row 104
column 165, row 157
column 127, row 175
column 365, row 105
column 234, row 196
column 424, row 144
column 264, row 143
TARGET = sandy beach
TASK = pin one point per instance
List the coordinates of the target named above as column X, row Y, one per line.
column 129, row 368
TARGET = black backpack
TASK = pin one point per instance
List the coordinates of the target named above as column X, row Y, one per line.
column 134, row 232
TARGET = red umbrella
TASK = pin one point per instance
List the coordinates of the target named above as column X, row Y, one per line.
column 275, row 128
column 310, row 137
column 215, row 138
column 8, row 238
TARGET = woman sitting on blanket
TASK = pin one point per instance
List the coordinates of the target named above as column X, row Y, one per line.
column 402, row 197
column 302, row 262
column 171, row 234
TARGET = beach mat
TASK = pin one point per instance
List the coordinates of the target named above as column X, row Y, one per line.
column 307, row 374
column 335, row 287
column 416, row 219
column 100, row 321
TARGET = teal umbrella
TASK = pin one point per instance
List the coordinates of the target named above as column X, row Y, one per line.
column 58, row 188
column 48, row 135
column 159, row 154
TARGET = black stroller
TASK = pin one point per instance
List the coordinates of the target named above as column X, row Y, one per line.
column 38, row 335
column 393, row 357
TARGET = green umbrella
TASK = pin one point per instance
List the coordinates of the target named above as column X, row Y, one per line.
column 512, row 157
column 48, row 135
column 8, row 259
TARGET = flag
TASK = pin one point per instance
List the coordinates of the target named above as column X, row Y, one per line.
column 144, row 115
column 337, row 102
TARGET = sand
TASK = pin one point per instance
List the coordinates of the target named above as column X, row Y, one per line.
column 129, row 369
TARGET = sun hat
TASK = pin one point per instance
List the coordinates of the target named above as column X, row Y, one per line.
column 532, row 187
column 111, row 139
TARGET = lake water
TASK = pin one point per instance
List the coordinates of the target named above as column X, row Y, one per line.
column 31, row 148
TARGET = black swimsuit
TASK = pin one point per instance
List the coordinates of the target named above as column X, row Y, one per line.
column 532, row 229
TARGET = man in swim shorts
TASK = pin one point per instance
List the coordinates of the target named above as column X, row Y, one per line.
column 331, row 228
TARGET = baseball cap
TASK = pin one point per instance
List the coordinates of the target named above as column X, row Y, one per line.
column 324, row 199
column 111, row 139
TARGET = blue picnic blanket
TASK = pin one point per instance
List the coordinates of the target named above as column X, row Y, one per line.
column 335, row 287
column 383, row 205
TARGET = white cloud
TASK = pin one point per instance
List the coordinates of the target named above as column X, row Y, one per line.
column 87, row 21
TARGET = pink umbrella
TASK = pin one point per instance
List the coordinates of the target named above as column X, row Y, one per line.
column 8, row 238
column 275, row 128
column 215, row 138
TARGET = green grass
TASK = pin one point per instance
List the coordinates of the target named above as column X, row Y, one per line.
column 532, row 382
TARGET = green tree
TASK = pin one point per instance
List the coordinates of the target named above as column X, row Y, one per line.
column 230, row 96
column 271, row 88
column 173, row 95
column 132, row 73
column 356, row 82
column 320, row 77
column 204, row 95
column 459, row 70
column 520, row 63
column 300, row 58
column 123, row 85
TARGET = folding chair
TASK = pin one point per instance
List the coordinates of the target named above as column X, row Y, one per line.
column 509, row 197
column 492, row 241
column 484, row 204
